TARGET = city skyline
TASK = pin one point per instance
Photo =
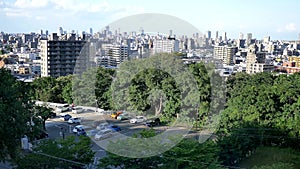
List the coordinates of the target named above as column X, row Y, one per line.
column 262, row 18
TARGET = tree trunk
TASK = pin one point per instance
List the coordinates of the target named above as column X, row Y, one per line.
column 158, row 107
column 44, row 124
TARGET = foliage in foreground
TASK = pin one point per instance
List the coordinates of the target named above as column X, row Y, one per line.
column 51, row 154
column 188, row 154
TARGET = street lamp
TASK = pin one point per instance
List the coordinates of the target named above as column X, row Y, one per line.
column 96, row 105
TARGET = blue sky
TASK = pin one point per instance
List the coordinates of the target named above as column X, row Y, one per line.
column 279, row 19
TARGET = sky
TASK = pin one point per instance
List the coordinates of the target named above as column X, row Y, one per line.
column 278, row 19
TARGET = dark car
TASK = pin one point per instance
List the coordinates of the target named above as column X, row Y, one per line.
column 67, row 117
column 152, row 122
column 81, row 132
column 42, row 135
column 114, row 128
column 52, row 115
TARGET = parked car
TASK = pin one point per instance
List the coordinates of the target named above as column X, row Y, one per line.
column 74, row 120
column 79, row 130
column 52, row 115
column 77, row 110
column 123, row 116
column 102, row 134
column 62, row 108
column 114, row 115
column 92, row 133
column 138, row 119
column 42, row 135
column 67, row 117
column 152, row 122
column 102, row 126
column 114, row 128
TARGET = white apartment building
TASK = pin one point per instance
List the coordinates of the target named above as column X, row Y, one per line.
column 225, row 54
column 165, row 45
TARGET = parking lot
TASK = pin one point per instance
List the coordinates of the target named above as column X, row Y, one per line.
column 58, row 128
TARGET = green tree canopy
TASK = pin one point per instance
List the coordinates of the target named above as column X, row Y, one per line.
column 15, row 113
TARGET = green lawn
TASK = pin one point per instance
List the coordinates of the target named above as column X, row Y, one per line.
column 267, row 156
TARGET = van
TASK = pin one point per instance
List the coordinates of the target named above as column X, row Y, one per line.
column 62, row 108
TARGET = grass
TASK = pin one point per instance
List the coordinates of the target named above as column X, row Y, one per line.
column 267, row 156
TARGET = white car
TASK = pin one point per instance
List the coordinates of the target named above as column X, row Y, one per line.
column 102, row 134
column 74, row 120
column 78, row 128
column 138, row 119
column 62, row 108
column 102, row 126
column 92, row 133
column 77, row 110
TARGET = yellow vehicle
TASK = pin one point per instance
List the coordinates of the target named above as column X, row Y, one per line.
column 114, row 115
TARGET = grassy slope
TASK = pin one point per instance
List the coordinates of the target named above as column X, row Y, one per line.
column 270, row 155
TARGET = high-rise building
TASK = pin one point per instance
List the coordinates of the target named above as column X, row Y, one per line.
column 91, row 31
column 224, row 37
column 225, row 54
column 119, row 53
column 59, row 55
column 208, row 34
column 60, row 31
column 165, row 45
column 217, row 34
column 249, row 38
column 241, row 35
column 267, row 39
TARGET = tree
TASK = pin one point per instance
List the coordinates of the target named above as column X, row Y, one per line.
column 44, row 113
column 63, row 154
column 156, row 92
column 64, row 83
column 15, row 113
column 46, row 89
column 138, row 79
column 104, row 78
column 83, row 88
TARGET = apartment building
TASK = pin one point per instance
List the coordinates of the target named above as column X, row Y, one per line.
column 225, row 54
column 60, row 54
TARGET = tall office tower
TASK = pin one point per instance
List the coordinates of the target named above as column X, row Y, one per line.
column 208, row 34
column 91, row 31
column 224, row 36
column 217, row 34
column 59, row 55
column 165, row 45
column 41, row 32
column 241, row 35
column 47, row 33
column 171, row 33
column 249, row 37
column 60, row 31
column 225, row 54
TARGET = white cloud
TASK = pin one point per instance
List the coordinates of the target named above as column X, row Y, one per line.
column 30, row 3
column 290, row 27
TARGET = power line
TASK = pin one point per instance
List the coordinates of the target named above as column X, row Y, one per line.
column 62, row 159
